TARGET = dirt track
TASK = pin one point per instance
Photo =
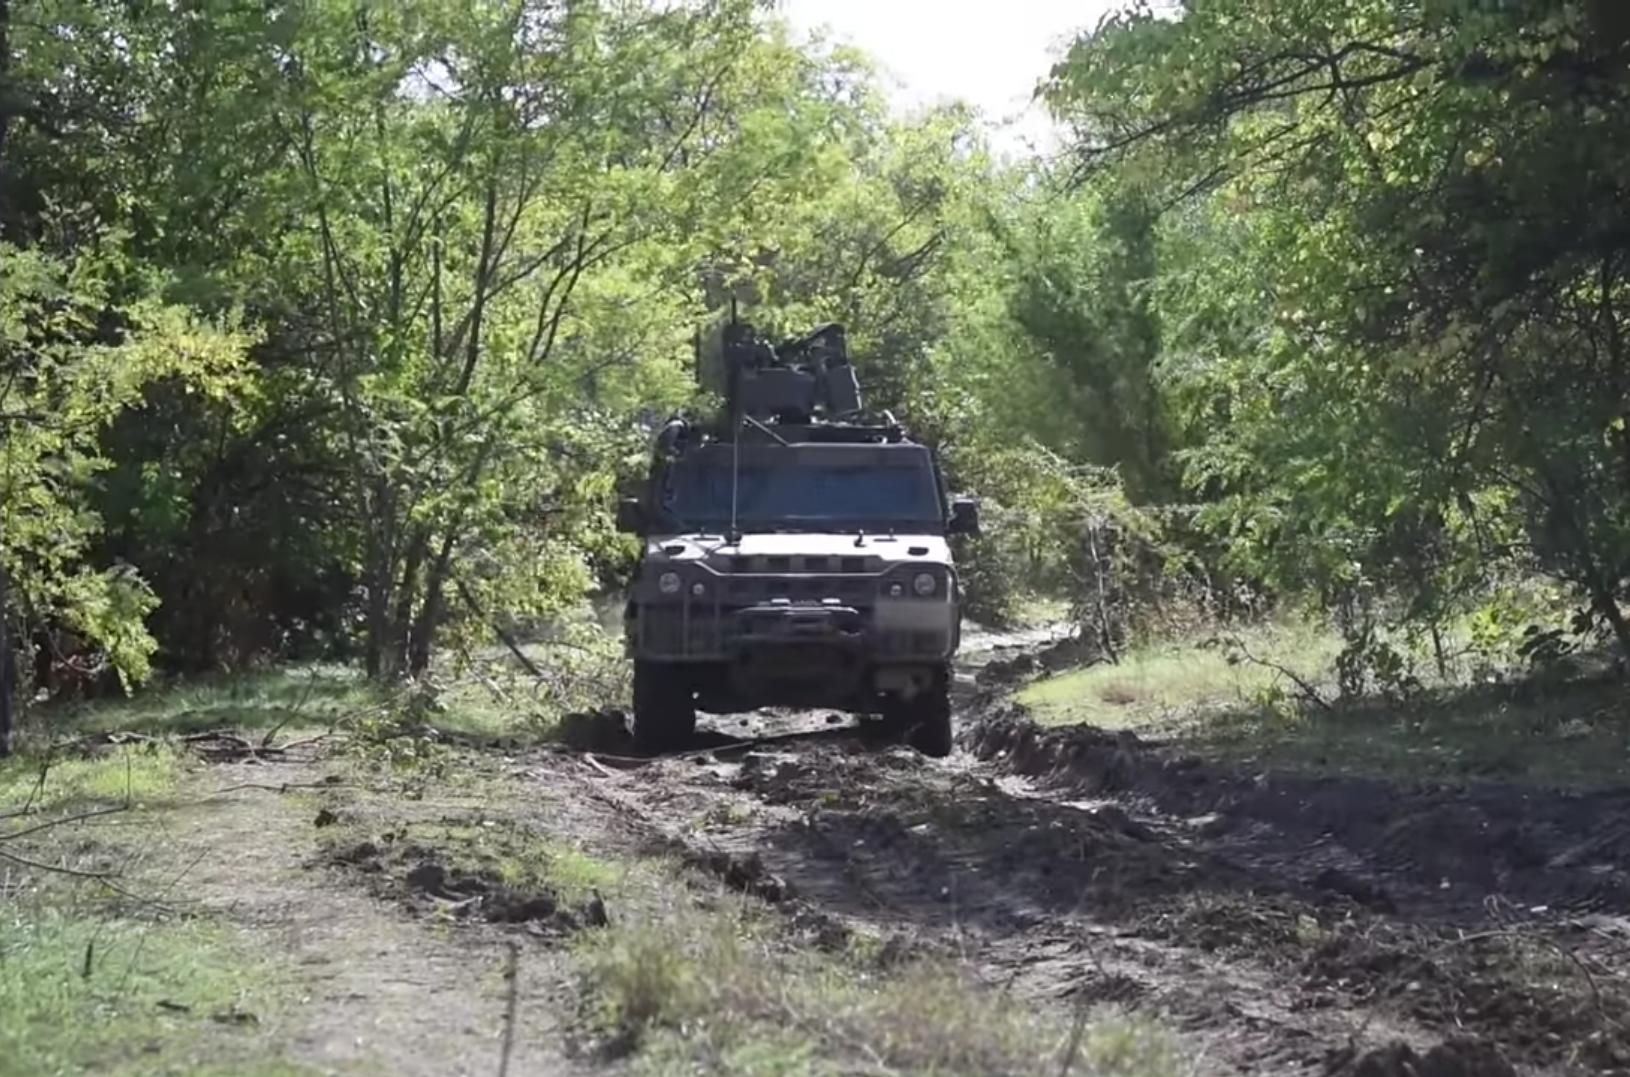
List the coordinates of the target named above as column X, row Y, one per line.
column 1282, row 924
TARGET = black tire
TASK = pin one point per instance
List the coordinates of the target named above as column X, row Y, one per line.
column 664, row 708
column 924, row 721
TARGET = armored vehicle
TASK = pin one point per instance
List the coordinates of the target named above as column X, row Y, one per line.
column 795, row 553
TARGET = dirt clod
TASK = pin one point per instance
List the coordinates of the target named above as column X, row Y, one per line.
column 423, row 880
column 604, row 732
column 746, row 874
column 1453, row 1058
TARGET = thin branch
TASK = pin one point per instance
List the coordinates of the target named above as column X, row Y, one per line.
column 64, row 821
column 58, row 869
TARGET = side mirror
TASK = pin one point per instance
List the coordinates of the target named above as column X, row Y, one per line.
column 964, row 517
column 630, row 516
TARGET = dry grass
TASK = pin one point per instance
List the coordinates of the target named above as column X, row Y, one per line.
column 685, row 988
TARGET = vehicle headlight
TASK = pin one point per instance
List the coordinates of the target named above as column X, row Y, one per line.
column 896, row 590
column 698, row 588
column 668, row 583
column 924, row 584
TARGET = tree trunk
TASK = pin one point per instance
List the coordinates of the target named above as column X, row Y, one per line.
column 1606, row 605
column 403, row 623
column 381, row 560
column 8, row 93
column 8, row 669
column 423, row 640
column 378, row 576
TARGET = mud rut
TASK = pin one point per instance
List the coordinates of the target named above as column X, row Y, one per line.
column 1281, row 924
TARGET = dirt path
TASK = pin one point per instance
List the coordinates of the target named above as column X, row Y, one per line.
column 376, row 992
column 1286, row 925
column 1281, row 924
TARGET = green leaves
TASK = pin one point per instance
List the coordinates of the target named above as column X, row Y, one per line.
column 73, row 362
column 1374, row 288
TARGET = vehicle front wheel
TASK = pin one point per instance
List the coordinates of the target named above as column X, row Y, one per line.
column 664, row 708
column 924, row 720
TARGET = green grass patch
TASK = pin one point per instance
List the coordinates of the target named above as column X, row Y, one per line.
column 688, row 990
column 1040, row 610
column 494, row 695
column 1163, row 685
column 287, row 698
column 518, row 857
column 1557, row 734
column 1568, row 737
column 96, row 974
column 139, row 774
column 85, row 991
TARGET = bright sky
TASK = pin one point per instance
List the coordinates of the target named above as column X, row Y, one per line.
column 990, row 53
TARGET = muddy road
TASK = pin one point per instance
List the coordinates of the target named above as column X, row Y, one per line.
column 1281, row 924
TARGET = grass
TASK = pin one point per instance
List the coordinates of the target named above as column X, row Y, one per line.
column 85, row 990
column 687, row 990
column 491, row 695
column 1573, row 737
column 1564, row 735
column 291, row 698
column 517, row 856
column 1164, row 684
column 96, row 974
column 139, row 775
column 1040, row 610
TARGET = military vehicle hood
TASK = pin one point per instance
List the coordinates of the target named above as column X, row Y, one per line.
column 917, row 548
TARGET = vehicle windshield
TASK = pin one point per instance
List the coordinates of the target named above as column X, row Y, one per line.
column 802, row 496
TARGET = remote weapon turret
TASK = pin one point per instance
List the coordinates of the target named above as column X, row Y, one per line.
column 805, row 388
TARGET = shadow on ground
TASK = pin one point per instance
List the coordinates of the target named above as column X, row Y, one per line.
column 1429, row 849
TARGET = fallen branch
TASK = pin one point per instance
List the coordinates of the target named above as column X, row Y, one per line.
column 512, row 979
column 49, row 823
column 1306, row 690
column 57, row 869
column 503, row 634
column 283, row 787
column 227, row 743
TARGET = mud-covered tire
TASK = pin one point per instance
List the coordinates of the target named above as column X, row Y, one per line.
column 924, row 721
column 664, row 708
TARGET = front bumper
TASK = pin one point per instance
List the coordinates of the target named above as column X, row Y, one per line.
column 888, row 631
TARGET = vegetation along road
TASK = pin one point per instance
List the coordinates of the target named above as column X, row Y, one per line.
column 1291, row 717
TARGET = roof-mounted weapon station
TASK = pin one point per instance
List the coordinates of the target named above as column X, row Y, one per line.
column 803, row 389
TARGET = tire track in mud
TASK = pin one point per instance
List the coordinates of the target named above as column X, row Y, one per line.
column 1283, row 925
column 1034, row 894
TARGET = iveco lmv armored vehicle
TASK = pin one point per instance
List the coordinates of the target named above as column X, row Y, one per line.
column 795, row 553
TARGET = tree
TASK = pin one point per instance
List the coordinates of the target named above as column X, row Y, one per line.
column 1408, row 295
column 81, row 340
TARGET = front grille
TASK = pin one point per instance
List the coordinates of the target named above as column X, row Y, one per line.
column 805, row 563
column 745, row 590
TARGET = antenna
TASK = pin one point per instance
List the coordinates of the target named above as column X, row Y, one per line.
column 733, row 537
